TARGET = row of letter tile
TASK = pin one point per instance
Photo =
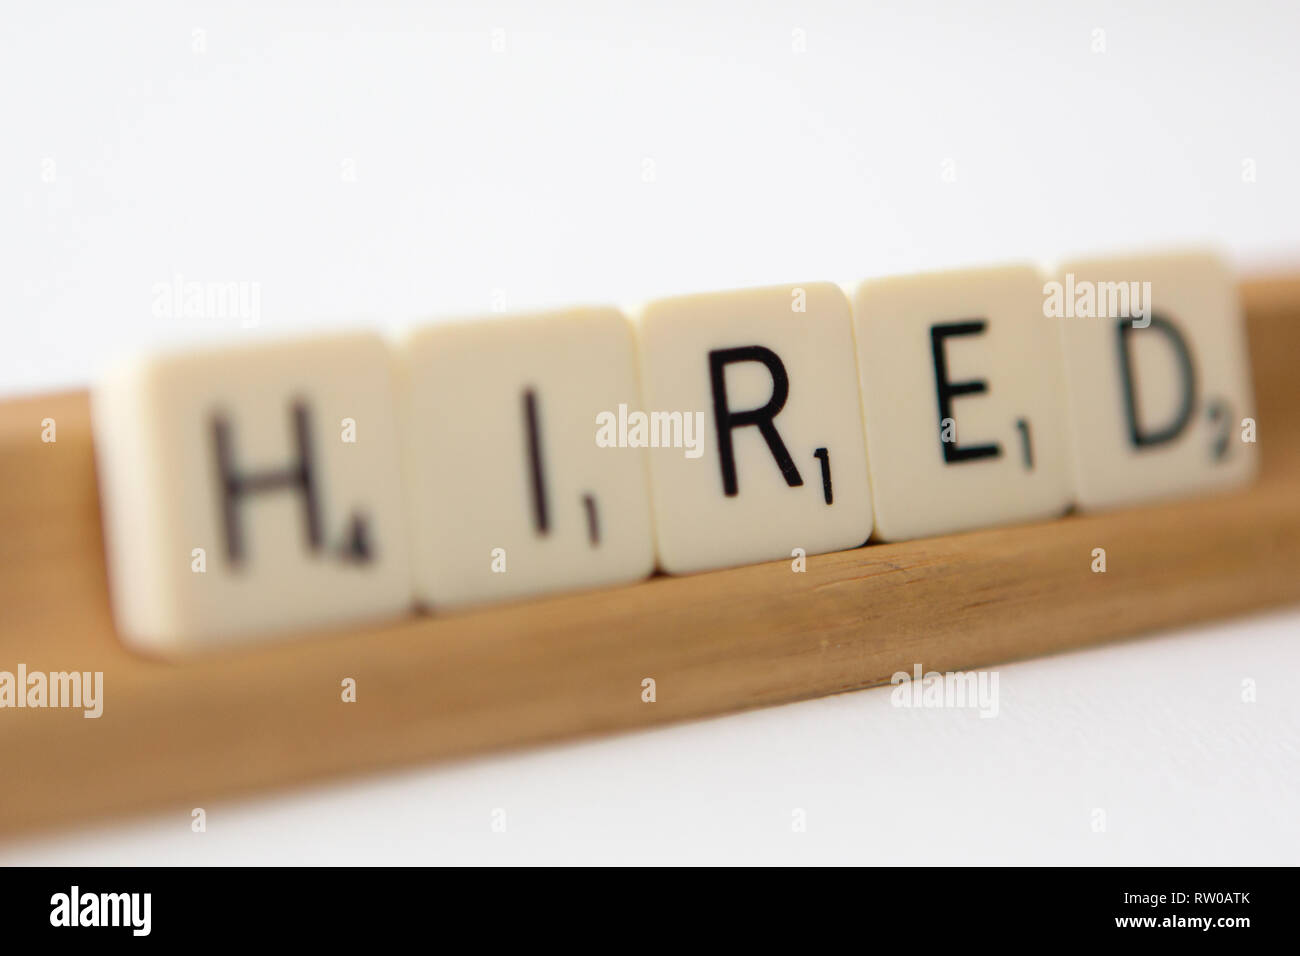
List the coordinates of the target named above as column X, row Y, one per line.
column 298, row 485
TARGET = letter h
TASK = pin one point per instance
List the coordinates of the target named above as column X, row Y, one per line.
column 297, row 476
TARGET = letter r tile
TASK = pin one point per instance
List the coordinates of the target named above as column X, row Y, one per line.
column 781, row 462
column 250, row 490
column 964, row 401
column 1157, row 405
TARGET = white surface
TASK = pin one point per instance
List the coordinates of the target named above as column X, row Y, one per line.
column 521, row 172
column 1155, row 733
column 480, row 177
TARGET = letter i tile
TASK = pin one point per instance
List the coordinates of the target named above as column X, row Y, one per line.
column 517, row 483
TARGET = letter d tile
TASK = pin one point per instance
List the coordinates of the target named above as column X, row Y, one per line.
column 1159, row 397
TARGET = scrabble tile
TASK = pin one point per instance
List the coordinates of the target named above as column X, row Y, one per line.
column 1157, row 402
column 251, row 490
column 510, row 492
column 765, row 380
column 963, row 401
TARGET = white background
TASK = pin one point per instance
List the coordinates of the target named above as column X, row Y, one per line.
column 382, row 163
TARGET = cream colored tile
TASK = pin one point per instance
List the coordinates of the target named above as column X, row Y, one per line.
column 963, row 399
column 510, row 493
column 252, row 490
column 766, row 380
column 1155, row 411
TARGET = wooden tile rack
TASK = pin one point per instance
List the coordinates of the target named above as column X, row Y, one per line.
column 181, row 734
